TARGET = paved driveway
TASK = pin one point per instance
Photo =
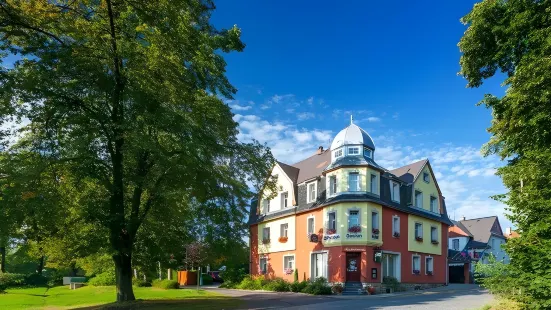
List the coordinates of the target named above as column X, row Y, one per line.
column 448, row 298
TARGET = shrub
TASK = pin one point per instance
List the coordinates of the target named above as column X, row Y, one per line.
column 391, row 282
column 235, row 275
column 140, row 282
column 103, row 279
column 229, row 284
column 337, row 288
column 207, row 279
column 12, row 279
column 166, row 284
column 318, row 287
column 277, row 285
column 3, row 288
column 298, row 286
column 252, row 283
column 36, row 279
column 296, row 275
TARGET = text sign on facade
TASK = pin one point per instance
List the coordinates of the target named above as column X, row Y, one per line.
column 354, row 250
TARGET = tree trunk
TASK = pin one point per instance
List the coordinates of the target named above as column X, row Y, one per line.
column 123, row 272
column 3, row 259
column 40, row 266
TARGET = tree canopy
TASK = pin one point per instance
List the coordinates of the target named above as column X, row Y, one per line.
column 514, row 37
column 124, row 104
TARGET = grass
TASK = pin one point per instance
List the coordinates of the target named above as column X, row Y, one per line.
column 502, row 304
column 90, row 297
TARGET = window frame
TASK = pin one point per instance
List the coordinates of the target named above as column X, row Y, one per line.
column 355, row 148
column 415, row 191
column 284, row 230
column 395, row 224
column 294, row 261
column 427, row 258
column 334, row 212
column 421, row 230
column 284, row 200
column 264, row 229
column 368, row 152
column 453, row 244
column 338, row 153
column 265, row 206
column 433, row 198
column 373, row 184
column 313, row 225
column 265, row 259
column 426, row 174
column 333, row 191
column 359, row 217
column 413, row 263
column 308, row 198
column 375, row 224
column 358, row 181
column 392, row 193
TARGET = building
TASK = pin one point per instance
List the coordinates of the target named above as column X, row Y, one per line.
column 476, row 238
column 339, row 215
column 510, row 233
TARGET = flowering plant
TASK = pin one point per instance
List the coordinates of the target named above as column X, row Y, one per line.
column 289, row 270
column 396, row 234
column 330, row 231
column 429, row 273
column 416, row 271
column 434, row 241
column 375, row 230
column 355, row 229
column 419, row 238
column 283, row 239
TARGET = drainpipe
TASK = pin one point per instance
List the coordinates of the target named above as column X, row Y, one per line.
column 447, row 264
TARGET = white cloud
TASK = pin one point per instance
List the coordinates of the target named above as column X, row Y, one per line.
column 238, row 107
column 373, row 119
column 310, row 100
column 305, row 116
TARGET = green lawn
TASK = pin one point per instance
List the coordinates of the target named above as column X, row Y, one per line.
column 90, row 297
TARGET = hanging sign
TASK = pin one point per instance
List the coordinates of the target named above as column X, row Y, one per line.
column 377, row 256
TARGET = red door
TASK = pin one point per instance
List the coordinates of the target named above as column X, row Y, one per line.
column 353, row 265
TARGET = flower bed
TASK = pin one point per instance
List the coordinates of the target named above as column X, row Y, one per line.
column 375, row 230
column 419, row 238
column 355, row 229
column 283, row 239
column 330, row 231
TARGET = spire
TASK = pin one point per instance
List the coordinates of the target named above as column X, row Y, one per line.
column 351, row 119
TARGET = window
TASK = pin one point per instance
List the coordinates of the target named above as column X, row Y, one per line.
column 338, row 153
column 418, row 199
column 396, row 226
column 434, row 204
column 455, row 244
column 419, row 231
column 353, row 218
column 353, row 182
column 284, row 228
column 368, row 152
column 266, row 233
column 288, row 263
column 332, row 185
column 416, row 264
column 312, row 192
column 353, row 151
column 428, row 265
column 394, row 191
column 332, row 220
column 310, row 225
column 318, row 265
column 433, row 234
column 375, row 220
column 284, row 199
column 373, row 183
column 426, row 177
column 265, row 206
column 263, row 265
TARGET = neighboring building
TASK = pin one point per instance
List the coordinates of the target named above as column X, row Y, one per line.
column 510, row 233
column 477, row 239
column 340, row 215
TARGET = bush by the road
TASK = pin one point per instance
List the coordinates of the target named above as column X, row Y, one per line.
column 277, row 285
column 318, row 287
column 297, row 287
column 140, row 283
column 166, row 284
column 103, row 279
column 12, row 279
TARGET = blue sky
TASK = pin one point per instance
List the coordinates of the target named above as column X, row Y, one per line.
column 308, row 66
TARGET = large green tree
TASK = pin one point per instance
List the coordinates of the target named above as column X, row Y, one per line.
column 514, row 37
column 125, row 95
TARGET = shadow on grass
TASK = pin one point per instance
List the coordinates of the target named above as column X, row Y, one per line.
column 212, row 302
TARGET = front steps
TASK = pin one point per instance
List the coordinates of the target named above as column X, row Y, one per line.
column 353, row 288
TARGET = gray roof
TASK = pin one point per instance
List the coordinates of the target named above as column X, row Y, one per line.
column 312, row 166
column 483, row 228
column 462, row 227
column 472, row 244
column 354, row 161
column 408, row 173
column 456, row 257
column 290, row 171
column 352, row 135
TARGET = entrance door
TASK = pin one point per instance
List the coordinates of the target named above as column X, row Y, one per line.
column 353, row 267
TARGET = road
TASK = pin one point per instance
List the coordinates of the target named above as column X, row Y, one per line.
column 457, row 297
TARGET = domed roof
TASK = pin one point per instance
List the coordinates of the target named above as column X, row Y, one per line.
column 352, row 135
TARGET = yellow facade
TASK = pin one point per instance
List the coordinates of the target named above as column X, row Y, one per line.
column 275, row 232
column 425, row 246
column 365, row 179
column 428, row 189
column 342, row 235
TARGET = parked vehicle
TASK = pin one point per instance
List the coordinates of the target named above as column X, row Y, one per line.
column 215, row 275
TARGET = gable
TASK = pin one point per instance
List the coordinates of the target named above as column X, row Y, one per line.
column 428, row 189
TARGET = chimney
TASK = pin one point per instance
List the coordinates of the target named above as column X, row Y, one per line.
column 463, row 218
column 320, row 150
column 508, row 231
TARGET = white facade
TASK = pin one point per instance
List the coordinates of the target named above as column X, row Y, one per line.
column 462, row 241
column 284, row 187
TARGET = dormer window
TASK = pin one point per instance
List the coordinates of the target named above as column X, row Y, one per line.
column 311, row 192
column 426, row 177
column 354, row 150
column 368, row 152
column 338, row 153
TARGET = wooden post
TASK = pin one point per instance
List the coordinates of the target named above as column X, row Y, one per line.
column 169, row 274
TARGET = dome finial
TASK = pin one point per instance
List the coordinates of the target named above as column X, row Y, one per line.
column 351, row 119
